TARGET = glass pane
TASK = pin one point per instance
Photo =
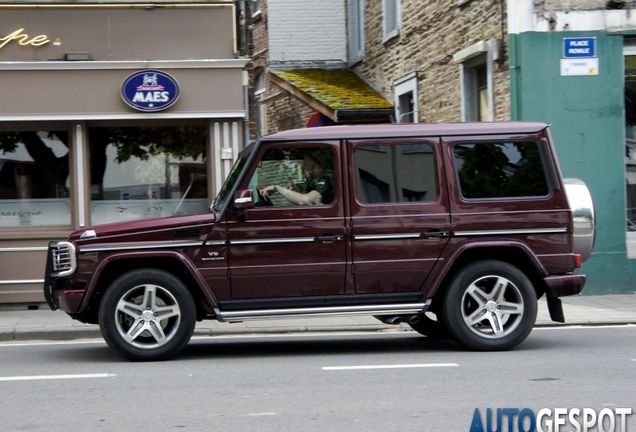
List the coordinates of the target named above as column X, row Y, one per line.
column 395, row 173
column 145, row 172
column 500, row 170
column 34, row 178
column 294, row 176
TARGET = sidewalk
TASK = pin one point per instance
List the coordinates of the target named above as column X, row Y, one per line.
column 44, row 324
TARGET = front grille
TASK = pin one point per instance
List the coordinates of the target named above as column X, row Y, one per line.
column 63, row 256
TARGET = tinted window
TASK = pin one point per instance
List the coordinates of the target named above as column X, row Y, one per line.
column 395, row 173
column 500, row 170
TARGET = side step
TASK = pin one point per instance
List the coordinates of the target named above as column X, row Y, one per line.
column 390, row 309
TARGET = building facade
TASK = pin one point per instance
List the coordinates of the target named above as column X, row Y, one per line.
column 110, row 112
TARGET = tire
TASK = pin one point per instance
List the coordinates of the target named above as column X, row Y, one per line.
column 490, row 306
column 427, row 326
column 147, row 315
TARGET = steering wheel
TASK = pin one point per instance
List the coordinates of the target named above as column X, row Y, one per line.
column 263, row 201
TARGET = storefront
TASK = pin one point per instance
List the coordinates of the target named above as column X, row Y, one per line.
column 110, row 112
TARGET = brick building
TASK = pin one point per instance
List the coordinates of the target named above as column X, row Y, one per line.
column 412, row 61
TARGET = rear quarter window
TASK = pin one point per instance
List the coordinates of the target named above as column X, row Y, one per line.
column 500, row 170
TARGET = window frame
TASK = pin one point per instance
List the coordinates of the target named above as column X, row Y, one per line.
column 260, row 88
column 393, row 7
column 355, row 10
column 479, row 57
column 403, row 86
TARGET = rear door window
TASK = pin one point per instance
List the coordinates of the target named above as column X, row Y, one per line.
column 500, row 170
column 395, row 173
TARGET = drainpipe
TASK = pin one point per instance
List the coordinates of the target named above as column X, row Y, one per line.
column 513, row 58
column 243, row 52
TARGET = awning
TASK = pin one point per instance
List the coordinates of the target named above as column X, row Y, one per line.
column 339, row 94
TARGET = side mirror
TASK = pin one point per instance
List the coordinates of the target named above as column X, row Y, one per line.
column 244, row 199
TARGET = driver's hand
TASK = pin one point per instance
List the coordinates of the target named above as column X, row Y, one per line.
column 267, row 191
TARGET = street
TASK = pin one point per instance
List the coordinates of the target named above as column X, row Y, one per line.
column 313, row 382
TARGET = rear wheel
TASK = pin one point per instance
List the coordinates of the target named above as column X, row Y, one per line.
column 147, row 314
column 490, row 306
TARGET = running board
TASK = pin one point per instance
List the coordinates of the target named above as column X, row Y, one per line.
column 390, row 309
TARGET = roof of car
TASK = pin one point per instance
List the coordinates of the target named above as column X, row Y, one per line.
column 406, row 130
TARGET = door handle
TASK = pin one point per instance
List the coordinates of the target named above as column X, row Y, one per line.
column 327, row 238
column 435, row 234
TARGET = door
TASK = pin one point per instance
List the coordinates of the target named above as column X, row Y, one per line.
column 400, row 218
column 291, row 244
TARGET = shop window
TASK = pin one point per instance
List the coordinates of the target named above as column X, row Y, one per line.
column 356, row 30
column 396, row 173
column 34, row 178
column 405, row 90
column 390, row 19
column 500, row 170
column 145, row 172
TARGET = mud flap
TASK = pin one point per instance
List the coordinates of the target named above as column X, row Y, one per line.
column 555, row 308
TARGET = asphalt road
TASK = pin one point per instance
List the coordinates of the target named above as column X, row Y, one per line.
column 311, row 382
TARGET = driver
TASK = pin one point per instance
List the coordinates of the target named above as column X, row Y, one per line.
column 319, row 185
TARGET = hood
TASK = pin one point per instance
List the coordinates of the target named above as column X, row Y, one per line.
column 143, row 225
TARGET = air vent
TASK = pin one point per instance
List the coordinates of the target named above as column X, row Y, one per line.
column 187, row 234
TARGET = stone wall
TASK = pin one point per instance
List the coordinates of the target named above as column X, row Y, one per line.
column 431, row 32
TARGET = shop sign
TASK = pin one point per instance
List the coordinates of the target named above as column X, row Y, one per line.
column 23, row 39
column 579, row 57
column 150, row 90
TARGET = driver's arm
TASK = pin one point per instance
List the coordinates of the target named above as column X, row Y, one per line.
column 296, row 197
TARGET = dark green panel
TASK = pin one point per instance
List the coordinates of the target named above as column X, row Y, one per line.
column 586, row 114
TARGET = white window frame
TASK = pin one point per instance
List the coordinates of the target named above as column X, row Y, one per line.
column 356, row 30
column 260, row 86
column 390, row 8
column 256, row 8
column 402, row 86
column 469, row 59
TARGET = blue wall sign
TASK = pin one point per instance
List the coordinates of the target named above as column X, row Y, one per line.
column 579, row 47
column 150, row 90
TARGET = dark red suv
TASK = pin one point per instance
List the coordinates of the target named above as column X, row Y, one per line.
column 455, row 229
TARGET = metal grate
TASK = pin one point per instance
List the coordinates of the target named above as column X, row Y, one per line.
column 63, row 255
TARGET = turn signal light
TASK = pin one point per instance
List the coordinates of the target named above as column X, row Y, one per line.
column 579, row 261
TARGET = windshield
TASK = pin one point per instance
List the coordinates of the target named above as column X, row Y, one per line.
column 232, row 178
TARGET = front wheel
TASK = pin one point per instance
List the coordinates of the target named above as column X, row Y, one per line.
column 490, row 306
column 146, row 315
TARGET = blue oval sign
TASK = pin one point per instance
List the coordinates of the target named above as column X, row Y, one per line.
column 150, row 90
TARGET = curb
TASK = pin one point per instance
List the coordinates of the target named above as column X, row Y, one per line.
column 75, row 333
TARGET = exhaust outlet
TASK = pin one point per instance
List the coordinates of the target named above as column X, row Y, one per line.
column 389, row 319
column 411, row 319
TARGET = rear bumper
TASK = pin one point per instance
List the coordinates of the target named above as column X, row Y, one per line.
column 565, row 285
